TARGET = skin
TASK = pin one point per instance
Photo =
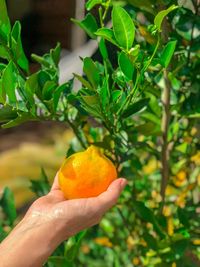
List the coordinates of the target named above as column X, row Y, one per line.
column 52, row 219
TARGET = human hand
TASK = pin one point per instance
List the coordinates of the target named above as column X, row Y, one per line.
column 50, row 220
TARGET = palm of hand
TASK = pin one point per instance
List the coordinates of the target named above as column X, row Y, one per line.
column 71, row 216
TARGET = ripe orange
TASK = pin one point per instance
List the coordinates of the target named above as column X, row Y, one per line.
column 86, row 174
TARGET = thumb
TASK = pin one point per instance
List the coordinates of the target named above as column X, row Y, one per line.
column 110, row 197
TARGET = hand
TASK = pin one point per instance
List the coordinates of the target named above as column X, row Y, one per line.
column 52, row 219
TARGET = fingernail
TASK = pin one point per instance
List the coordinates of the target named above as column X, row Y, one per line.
column 123, row 183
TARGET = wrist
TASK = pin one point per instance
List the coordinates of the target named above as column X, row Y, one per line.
column 29, row 244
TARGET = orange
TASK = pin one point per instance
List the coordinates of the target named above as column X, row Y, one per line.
column 86, row 174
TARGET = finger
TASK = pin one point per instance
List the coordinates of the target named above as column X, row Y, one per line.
column 109, row 198
column 55, row 185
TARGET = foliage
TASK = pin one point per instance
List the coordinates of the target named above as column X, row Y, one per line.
column 142, row 101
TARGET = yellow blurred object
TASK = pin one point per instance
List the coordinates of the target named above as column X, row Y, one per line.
column 196, row 242
column 131, row 242
column 170, row 190
column 151, row 166
column 103, row 241
column 170, row 226
column 19, row 165
column 174, row 264
column 147, row 35
column 181, row 175
column 136, row 261
column 85, row 249
column 181, row 199
column 180, row 179
column 167, row 211
column 193, row 131
column 196, row 158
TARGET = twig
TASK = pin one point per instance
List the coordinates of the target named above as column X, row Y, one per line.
column 164, row 129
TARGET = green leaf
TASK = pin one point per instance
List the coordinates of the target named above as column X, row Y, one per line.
column 16, row 47
column 103, row 49
column 135, row 107
column 48, row 90
column 91, row 3
column 41, row 60
column 107, row 34
column 147, row 215
column 22, row 118
column 84, row 82
column 146, row 5
column 60, row 261
column 9, row 83
column 89, row 25
column 161, row 15
column 8, row 205
column 5, row 26
column 3, row 53
column 73, row 245
column 126, row 66
column 2, row 93
column 151, row 241
column 56, row 96
column 7, row 114
column 42, row 186
column 91, row 71
column 91, row 105
column 104, row 93
column 55, row 54
column 123, row 27
column 167, row 53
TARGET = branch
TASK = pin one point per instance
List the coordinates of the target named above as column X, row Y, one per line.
column 164, row 129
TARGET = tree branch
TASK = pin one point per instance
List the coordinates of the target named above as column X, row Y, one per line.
column 164, row 129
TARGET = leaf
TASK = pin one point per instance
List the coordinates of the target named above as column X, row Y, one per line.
column 73, row 245
column 167, row 53
column 7, row 114
column 16, row 47
column 151, row 241
column 147, row 215
column 91, row 105
column 9, row 83
column 57, row 93
column 105, row 93
column 126, row 66
column 20, row 119
column 89, row 25
column 91, row 71
column 146, row 5
column 55, row 54
column 84, row 82
column 103, row 49
column 42, row 186
column 135, row 107
column 48, row 90
column 5, row 26
column 91, row 3
column 107, row 34
column 60, row 261
column 123, row 27
column 2, row 94
column 8, row 205
column 161, row 15
column 3, row 53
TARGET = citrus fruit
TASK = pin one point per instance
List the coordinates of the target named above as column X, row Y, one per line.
column 86, row 174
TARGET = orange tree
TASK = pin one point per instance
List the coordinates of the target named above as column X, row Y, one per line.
column 140, row 103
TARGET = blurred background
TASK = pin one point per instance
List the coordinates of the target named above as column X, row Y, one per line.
column 25, row 149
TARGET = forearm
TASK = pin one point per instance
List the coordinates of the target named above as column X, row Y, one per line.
column 28, row 245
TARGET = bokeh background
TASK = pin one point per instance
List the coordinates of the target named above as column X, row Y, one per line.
column 25, row 149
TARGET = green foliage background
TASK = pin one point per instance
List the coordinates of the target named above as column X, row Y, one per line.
column 143, row 110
